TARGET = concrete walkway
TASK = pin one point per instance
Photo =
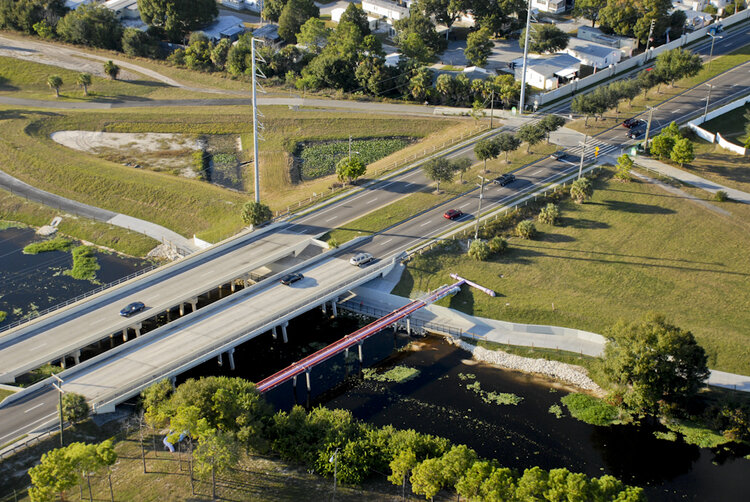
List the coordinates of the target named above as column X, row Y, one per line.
column 375, row 295
column 690, row 178
column 157, row 232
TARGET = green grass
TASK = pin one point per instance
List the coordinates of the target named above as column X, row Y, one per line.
column 731, row 125
column 5, row 393
column 85, row 264
column 720, row 166
column 633, row 249
column 695, row 434
column 590, row 410
column 56, row 244
column 17, row 209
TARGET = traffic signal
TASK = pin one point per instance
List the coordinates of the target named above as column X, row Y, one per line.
column 596, row 152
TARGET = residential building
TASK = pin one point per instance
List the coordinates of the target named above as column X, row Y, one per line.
column 390, row 12
column 551, row 6
column 548, row 72
column 268, row 34
column 592, row 53
column 230, row 27
column 74, row 4
column 625, row 44
column 123, row 9
column 694, row 18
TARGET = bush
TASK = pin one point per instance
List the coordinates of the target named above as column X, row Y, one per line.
column 526, row 229
column 721, row 196
column 200, row 164
column 74, row 407
column 498, row 245
column 549, row 214
column 479, row 250
column 590, row 409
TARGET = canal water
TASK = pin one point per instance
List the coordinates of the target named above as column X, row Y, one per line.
column 30, row 283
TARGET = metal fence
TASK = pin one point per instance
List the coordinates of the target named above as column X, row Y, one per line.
column 358, row 307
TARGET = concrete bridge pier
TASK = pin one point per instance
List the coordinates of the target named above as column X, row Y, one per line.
column 359, row 351
column 77, row 356
column 169, row 315
column 62, row 362
column 173, row 381
column 232, row 285
column 283, row 332
column 125, row 334
column 333, row 306
column 408, row 326
column 323, row 308
column 230, row 356
column 346, row 362
column 182, row 309
column 193, row 303
column 137, row 329
column 274, row 334
column 220, row 360
column 111, row 341
column 307, row 380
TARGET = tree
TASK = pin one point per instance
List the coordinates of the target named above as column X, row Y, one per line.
column 656, row 11
column 314, row 33
column 446, row 12
column 526, row 229
column 220, row 53
column 507, row 143
column 531, row 134
column 647, row 79
column 420, row 84
column 653, row 361
column 401, row 465
column 549, row 214
column 589, row 9
column 53, row 475
column 545, row 38
column 485, row 150
column 619, row 16
column 479, row 250
column 672, row 130
column 500, row 485
column 84, row 80
column 139, row 43
column 84, row 460
column 111, row 69
column 55, row 82
column 533, row 484
column 198, row 53
column 426, row 478
column 461, row 166
column 439, row 169
column 662, row 145
column 683, row 152
column 74, row 407
column 458, row 460
column 107, row 456
column 177, row 17
column 44, row 29
column 356, row 16
column 580, row 190
column 255, row 213
column 415, row 49
column 478, row 46
column 624, row 166
column 272, row 9
column 676, row 64
column 350, row 168
column 216, row 452
column 550, row 124
column 584, row 105
column 293, row 16
column 91, row 25
column 423, row 27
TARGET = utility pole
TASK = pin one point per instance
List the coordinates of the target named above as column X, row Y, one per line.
column 58, row 386
column 350, row 148
column 492, row 107
column 525, row 57
column 708, row 97
column 479, row 210
column 583, row 154
column 648, row 40
column 648, row 128
column 256, row 124
column 711, row 54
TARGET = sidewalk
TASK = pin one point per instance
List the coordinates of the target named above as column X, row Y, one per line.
column 690, row 178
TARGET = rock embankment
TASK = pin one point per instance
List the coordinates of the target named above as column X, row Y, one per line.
column 568, row 373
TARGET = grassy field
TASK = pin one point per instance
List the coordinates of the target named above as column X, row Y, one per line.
column 17, row 209
column 26, row 150
column 5, row 393
column 255, row 478
column 731, row 125
column 621, row 255
column 721, row 166
column 661, row 93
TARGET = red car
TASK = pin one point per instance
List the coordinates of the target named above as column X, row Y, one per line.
column 452, row 214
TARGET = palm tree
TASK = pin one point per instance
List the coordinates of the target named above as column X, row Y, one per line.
column 84, row 80
column 581, row 190
column 111, row 69
column 54, row 81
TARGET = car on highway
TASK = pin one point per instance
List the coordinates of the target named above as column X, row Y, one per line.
column 452, row 214
column 132, row 308
column 504, row 179
column 360, row 259
column 559, row 155
column 633, row 122
column 290, row 279
column 636, row 133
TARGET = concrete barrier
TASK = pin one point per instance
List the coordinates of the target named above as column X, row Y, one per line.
column 741, row 150
column 702, row 133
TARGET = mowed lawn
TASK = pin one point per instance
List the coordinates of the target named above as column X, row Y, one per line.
column 720, row 166
column 633, row 249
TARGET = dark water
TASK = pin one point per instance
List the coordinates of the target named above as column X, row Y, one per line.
column 521, row 436
column 30, row 283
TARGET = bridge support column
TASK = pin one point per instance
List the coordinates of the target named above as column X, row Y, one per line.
column 182, row 309
column 169, row 315
column 137, row 329
column 230, row 355
column 220, row 360
column 173, row 381
column 221, row 290
column 111, row 341
column 77, row 356
column 323, row 308
column 408, row 326
column 274, row 334
column 333, row 306
column 307, row 380
column 62, row 362
column 125, row 334
column 359, row 350
column 283, row 332
column 231, row 286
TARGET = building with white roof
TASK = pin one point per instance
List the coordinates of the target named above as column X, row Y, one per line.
column 74, row 4
column 230, row 27
column 592, row 53
column 551, row 6
column 123, row 9
column 548, row 72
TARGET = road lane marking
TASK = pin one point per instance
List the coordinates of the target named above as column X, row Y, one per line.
column 425, row 223
column 537, row 172
column 34, row 407
column 386, row 242
column 464, row 205
column 36, row 347
column 331, row 218
column 372, row 201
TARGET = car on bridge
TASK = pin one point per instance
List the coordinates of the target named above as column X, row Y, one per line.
column 360, row 259
column 132, row 308
column 504, row 179
column 290, row 279
column 452, row 214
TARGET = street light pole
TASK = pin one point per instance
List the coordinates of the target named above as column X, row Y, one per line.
column 648, row 128
column 525, row 57
column 479, row 210
column 711, row 53
column 60, row 392
column 583, row 154
column 492, row 107
column 708, row 97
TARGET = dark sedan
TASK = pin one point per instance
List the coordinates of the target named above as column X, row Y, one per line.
column 504, row 179
column 291, row 278
column 132, row 309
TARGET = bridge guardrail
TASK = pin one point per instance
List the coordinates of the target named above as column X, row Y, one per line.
column 415, row 323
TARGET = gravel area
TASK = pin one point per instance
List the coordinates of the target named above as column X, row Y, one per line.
column 568, row 373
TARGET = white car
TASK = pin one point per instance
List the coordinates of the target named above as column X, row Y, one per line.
column 361, row 259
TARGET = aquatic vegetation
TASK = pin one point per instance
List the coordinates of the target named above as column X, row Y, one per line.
column 693, row 433
column 3, row 315
column 590, row 409
column 556, row 410
column 397, row 374
column 667, row 436
column 85, row 264
column 56, row 244
column 467, row 376
column 494, row 397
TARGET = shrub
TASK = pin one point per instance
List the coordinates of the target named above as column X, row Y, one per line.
column 590, row 409
column 479, row 250
column 498, row 245
column 526, row 229
column 721, row 196
column 581, row 190
column 200, row 164
column 549, row 214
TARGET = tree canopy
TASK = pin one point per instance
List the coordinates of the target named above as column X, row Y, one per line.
column 478, row 47
column 439, row 169
column 255, row 213
column 350, row 169
column 91, row 25
column 545, row 38
column 294, row 14
column 589, row 9
column 177, row 18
